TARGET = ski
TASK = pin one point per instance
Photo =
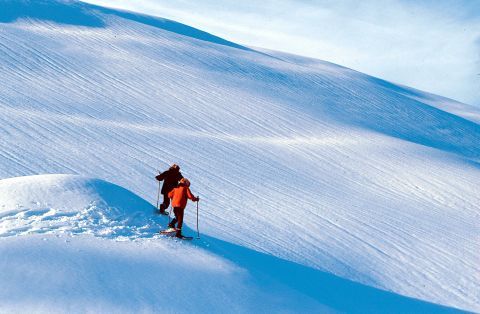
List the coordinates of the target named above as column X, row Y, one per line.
column 171, row 232
column 168, row 231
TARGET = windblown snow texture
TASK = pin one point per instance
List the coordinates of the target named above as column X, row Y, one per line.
column 332, row 184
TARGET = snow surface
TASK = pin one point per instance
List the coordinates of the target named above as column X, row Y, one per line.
column 125, row 267
column 51, row 203
column 76, row 244
column 339, row 190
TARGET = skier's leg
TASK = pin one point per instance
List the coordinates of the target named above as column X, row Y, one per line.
column 165, row 204
column 172, row 223
column 174, row 220
column 179, row 215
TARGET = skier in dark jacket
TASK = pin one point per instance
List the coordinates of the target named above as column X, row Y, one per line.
column 170, row 180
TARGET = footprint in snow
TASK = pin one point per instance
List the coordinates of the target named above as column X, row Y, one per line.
column 34, row 213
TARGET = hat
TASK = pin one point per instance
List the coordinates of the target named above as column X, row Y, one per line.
column 185, row 182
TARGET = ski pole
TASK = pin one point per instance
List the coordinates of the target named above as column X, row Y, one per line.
column 198, row 233
column 169, row 213
column 158, row 195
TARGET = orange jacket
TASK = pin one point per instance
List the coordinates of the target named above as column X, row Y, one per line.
column 179, row 196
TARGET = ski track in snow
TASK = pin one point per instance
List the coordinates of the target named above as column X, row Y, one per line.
column 301, row 159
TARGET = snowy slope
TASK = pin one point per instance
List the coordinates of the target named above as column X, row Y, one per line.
column 124, row 267
column 65, row 239
column 306, row 161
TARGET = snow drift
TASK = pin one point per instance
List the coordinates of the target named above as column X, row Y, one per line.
column 304, row 161
column 73, row 204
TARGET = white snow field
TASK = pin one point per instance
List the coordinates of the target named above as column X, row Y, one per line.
column 322, row 188
column 91, row 248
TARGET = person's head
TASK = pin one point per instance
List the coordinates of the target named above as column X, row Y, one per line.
column 175, row 167
column 185, row 182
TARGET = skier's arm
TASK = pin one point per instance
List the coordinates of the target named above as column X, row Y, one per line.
column 190, row 196
column 171, row 193
column 161, row 176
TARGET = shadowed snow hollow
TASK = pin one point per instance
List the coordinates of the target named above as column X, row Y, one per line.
column 74, row 204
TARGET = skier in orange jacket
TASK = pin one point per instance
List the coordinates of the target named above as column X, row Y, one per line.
column 180, row 196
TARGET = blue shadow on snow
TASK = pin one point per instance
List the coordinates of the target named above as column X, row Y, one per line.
column 83, row 14
column 72, row 13
column 330, row 290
